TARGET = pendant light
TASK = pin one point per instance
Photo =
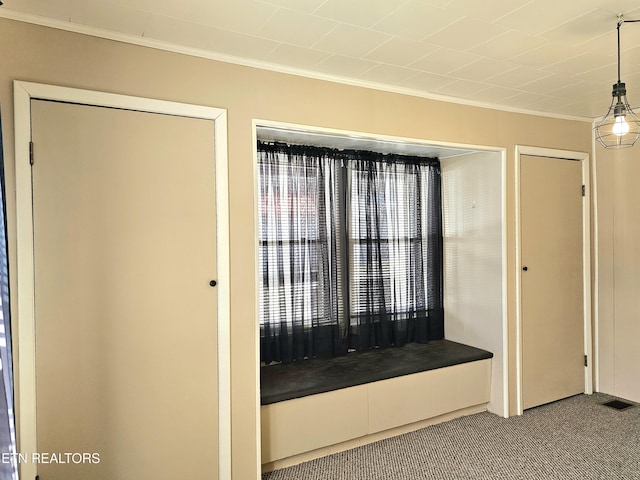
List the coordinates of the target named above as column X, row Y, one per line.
column 620, row 127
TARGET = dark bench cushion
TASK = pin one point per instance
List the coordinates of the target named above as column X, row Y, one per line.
column 294, row 380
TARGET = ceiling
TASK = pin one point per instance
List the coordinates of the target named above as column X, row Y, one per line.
column 552, row 56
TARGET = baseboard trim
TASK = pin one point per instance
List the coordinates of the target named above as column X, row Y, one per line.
column 374, row 437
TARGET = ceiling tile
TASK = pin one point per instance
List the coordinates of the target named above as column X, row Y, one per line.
column 182, row 10
column 238, row 44
column 508, row 45
column 287, row 26
column 525, row 99
column 596, row 106
column 305, row 6
column 116, row 18
column 56, row 9
column 494, row 94
column 578, row 109
column 429, row 82
column 633, row 90
column 351, row 41
column 542, row 15
column 462, row 88
column 299, row 57
column 583, row 28
column 547, row 84
column 517, row 77
column 580, row 64
column 415, row 20
column 345, row 66
column 629, row 35
column 488, row 11
column 629, row 61
column 607, row 44
column 549, row 104
column 575, row 90
column 388, row 74
column 465, row 34
column 605, row 75
column 482, row 69
column 436, row 3
column 444, row 61
column 246, row 16
column 179, row 32
column 352, row 11
column 599, row 101
column 627, row 7
column 547, row 55
column 400, row 52
column 604, row 44
column 631, row 10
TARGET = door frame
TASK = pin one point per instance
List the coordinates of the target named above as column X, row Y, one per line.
column 24, row 309
column 586, row 260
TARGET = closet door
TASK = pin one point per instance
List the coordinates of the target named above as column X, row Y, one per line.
column 552, row 276
column 125, row 247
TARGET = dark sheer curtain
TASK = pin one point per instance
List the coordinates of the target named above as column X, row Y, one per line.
column 301, row 292
column 350, row 251
column 8, row 470
column 396, row 251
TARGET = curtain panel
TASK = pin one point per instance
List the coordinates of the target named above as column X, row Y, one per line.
column 8, row 469
column 350, row 251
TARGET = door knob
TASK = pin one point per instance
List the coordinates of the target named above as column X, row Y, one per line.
column 213, row 283
column 524, row 269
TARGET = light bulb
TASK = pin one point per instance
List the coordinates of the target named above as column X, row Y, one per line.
column 620, row 127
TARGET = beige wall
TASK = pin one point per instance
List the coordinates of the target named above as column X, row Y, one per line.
column 472, row 217
column 38, row 54
column 618, row 214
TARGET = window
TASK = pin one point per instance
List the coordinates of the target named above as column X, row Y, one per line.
column 350, row 251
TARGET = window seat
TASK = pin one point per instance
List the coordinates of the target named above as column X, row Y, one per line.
column 317, row 407
column 295, row 380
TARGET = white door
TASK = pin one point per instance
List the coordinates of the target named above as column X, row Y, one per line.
column 551, row 279
column 125, row 317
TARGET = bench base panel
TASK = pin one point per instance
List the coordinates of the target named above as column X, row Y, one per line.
column 301, row 429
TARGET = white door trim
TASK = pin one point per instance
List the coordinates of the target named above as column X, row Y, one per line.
column 23, row 310
column 586, row 242
column 596, row 267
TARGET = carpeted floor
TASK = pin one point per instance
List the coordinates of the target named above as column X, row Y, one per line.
column 576, row 438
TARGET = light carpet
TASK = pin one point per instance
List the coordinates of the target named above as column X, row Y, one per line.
column 576, row 438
